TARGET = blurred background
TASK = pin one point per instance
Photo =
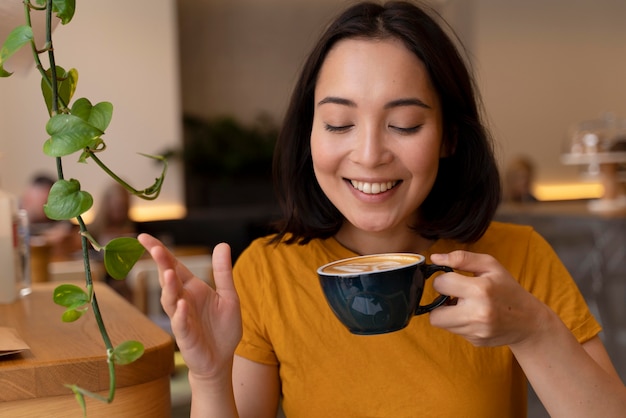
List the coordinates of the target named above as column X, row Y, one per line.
column 541, row 67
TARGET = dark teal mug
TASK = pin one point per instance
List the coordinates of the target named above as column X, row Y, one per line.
column 378, row 293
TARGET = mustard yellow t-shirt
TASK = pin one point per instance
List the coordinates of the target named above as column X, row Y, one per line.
column 420, row 371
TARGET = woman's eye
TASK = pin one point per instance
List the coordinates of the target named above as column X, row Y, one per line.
column 407, row 131
column 333, row 128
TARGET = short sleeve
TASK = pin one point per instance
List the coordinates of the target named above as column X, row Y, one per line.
column 251, row 277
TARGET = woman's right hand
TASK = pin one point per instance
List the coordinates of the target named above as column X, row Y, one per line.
column 206, row 322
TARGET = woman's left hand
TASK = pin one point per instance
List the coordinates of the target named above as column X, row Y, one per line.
column 492, row 308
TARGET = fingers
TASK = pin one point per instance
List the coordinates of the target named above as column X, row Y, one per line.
column 481, row 266
column 489, row 300
column 462, row 287
column 163, row 257
column 466, row 261
column 148, row 241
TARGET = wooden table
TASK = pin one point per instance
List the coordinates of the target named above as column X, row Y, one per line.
column 32, row 382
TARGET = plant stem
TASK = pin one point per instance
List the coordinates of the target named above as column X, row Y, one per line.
column 53, row 72
column 83, row 228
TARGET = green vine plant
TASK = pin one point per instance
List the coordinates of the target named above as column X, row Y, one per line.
column 77, row 128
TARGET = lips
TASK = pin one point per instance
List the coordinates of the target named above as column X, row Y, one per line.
column 373, row 188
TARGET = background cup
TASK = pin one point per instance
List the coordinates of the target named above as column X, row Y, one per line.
column 23, row 274
column 378, row 293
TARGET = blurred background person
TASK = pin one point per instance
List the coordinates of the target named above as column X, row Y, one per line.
column 112, row 220
column 518, row 180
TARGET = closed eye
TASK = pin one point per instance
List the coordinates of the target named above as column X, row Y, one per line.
column 407, row 131
column 332, row 128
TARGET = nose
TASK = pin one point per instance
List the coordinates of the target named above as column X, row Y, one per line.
column 371, row 148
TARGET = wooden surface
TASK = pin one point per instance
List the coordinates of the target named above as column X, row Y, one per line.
column 61, row 353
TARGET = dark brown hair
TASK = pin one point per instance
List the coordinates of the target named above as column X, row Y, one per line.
column 466, row 192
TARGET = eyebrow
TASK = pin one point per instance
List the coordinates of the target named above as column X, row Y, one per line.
column 390, row 105
column 337, row 100
column 407, row 102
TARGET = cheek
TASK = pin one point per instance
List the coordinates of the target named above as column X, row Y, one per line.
column 323, row 154
column 423, row 164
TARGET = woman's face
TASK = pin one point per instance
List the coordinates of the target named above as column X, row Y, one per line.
column 377, row 133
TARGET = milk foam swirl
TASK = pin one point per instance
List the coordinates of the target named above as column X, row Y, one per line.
column 371, row 263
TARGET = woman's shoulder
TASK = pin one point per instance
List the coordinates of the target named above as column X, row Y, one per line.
column 271, row 246
column 506, row 240
column 502, row 237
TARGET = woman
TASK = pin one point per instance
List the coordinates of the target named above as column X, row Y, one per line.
column 383, row 150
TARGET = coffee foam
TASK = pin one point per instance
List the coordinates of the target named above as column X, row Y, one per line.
column 370, row 263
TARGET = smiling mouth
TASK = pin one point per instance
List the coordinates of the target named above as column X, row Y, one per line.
column 373, row 188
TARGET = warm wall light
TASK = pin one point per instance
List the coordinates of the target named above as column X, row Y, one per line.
column 157, row 212
column 567, row 191
column 144, row 213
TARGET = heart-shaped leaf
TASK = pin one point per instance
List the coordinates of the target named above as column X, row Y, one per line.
column 66, row 85
column 127, row 352
column 18, row 37
column 70, row 296
column 64, row 9
column 73, row 298
column 120, row 255
column 71, row 315
column 98, row 116
column 68, row 134
column 67, row 201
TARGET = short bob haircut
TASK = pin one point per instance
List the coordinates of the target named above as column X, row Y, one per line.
column 466, row 192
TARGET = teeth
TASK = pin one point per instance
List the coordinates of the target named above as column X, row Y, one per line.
column 373, row 188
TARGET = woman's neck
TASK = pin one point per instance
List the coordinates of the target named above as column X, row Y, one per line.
column 365, row 242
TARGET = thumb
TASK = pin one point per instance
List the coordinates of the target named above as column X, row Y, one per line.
column 222, row 268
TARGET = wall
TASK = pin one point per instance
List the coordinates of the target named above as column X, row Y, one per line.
column 241, row 57
column 126, row 53
column 546, row 65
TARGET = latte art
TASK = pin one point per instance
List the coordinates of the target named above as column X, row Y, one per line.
column 370, row 263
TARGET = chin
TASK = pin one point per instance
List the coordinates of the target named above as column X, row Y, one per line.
column 372, row 227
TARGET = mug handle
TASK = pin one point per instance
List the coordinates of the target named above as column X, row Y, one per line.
column 428, row 270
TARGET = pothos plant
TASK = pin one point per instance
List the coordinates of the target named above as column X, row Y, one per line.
column 76, row 127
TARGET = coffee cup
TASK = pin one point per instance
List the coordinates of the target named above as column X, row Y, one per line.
column 378, row 293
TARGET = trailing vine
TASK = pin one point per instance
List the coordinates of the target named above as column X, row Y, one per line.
column 78, row 127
